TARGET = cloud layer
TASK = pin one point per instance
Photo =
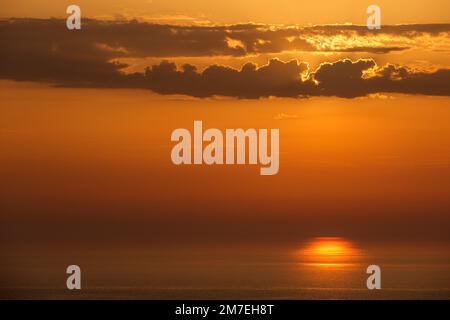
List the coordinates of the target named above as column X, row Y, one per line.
column 344, row 78
column 44, row 50
column 133, row 38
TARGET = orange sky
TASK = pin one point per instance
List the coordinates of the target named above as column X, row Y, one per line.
column 86, row 175
column 233, row 11
column 86, row 143
column 74, row 154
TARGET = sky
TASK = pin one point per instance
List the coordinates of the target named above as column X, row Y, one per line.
column 236, row 11
column 87, row 115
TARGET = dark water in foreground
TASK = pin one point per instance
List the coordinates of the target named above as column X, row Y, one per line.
column 314, row 270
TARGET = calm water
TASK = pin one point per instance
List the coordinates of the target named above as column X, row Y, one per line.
column 321, row 268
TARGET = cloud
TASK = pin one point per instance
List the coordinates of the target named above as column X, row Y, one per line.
column 405, row 80
column 285, row 116
column 44, row 50
column 277, row 78
column 407, row 30
column 141, row 39
column 350, row 79
column 343, row 78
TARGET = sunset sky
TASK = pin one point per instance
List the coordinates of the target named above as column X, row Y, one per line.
column 86, row 118
column 236, row 11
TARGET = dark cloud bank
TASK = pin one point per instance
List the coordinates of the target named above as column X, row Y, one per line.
column 343, row 78
column 44, row 50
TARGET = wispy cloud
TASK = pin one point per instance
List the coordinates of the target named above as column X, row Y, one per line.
column 165, row 40
column 285, row 116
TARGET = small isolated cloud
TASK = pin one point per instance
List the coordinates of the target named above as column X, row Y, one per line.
column 379, row 96
column 285, row 116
